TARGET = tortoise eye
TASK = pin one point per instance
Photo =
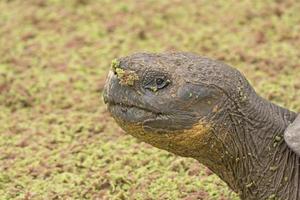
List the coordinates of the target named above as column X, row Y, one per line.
column 155, row 81
column 161, row 83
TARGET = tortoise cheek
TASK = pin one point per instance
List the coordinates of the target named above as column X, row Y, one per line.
column 195, row 92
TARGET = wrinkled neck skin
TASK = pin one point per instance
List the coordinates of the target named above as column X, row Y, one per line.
column 253, row 158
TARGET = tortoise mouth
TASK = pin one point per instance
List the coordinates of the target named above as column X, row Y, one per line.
column 130, row 113
column 150, row 121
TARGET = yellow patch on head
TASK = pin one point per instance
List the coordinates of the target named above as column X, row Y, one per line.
column 126, row 77
column 184, row 142
column 189, row 136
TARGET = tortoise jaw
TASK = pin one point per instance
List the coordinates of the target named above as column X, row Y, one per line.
column 129, row 113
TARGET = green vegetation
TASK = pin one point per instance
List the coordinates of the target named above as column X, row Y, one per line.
column 57, row 140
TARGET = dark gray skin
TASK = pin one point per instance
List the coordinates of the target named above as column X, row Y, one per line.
column 201, row 108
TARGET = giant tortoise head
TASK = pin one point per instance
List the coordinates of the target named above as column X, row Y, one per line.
column 197, row 107
column 173, row 101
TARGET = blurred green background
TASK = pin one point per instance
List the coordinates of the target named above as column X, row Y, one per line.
column 57, row 140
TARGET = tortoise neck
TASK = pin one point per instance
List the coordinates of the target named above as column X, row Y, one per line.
column 246, row 149
column 262, row 166
column 267, row 176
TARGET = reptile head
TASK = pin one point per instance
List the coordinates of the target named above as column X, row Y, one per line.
column 171, row 100
column 197, row 107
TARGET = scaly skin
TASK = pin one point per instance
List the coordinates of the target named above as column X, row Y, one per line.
column 200, row 108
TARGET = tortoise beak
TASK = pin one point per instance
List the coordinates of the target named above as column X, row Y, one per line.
column 123, row 102
column 109, row 80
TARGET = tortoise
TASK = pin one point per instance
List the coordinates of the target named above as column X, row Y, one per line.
column 197, row 107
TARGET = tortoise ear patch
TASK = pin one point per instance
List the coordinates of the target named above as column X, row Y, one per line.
column 292, row 135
